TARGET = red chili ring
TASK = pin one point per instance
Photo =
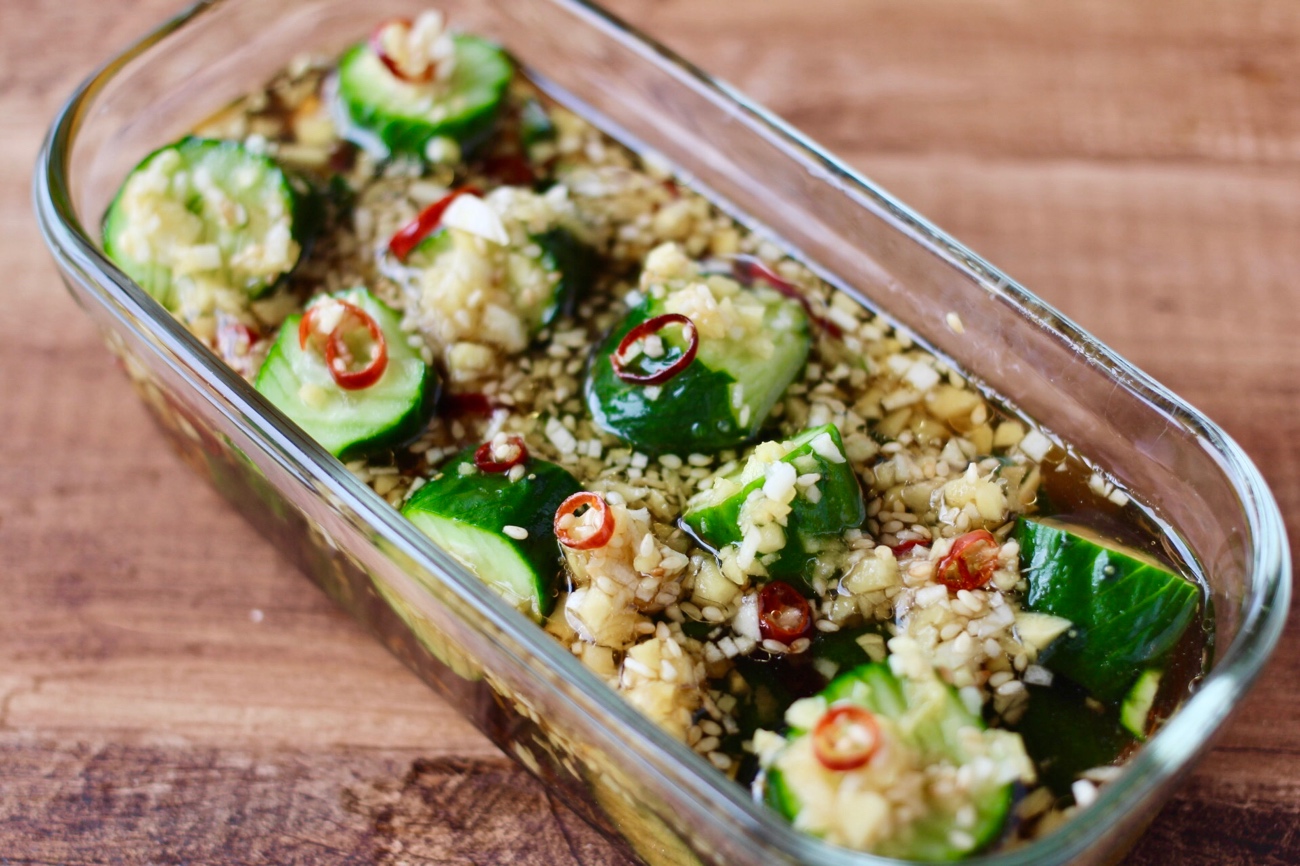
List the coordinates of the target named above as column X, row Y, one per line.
column 600, row 537
column 483, row 456
column 829, row 741
column 783, row 614
column 335, row 347
column 390, row 63
column 955, row 568
column 651, row 326
column 307, row 326
column 746, row 269
column 408, row 237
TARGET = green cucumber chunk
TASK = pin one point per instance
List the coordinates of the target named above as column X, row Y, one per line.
column 351, row 424
column 404, row 117
column 930, row 716
column 700, row 409
column 535, row 124
column 1066, row 734
column 466, row 511
column 1127, row 611
column 714, row 515
column 1135, row 711
column 544, row 279
column 202, row 221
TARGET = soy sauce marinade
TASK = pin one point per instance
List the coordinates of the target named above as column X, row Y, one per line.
column 783, row 531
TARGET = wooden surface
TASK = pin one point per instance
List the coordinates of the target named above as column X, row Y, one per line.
column 172, row 692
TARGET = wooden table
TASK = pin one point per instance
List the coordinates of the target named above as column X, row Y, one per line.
column 171, row 691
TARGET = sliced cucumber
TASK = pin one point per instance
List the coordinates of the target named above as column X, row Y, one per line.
column 926, row 716
column 714, row 514
column 204, row 223
column 542, row 282
column 535, row 124
column 1135, row 711
column 1066, row 734
column 351, row 424
column 721, row 399
column 1127, row 611
column 405, row 116
column 466, row 511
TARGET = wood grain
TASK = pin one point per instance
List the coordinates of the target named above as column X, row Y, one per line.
column 1137, row 164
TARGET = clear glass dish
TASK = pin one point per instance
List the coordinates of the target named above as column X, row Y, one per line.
column 524, row 690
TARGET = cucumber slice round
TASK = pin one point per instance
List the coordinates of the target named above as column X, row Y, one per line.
column 404, row 117
column 466, row 511
column 720, row 400
column 1127, row 611
column 929, row 717
column 714, row 514
column 542, row 283
column 203, row 222
column 351, row 424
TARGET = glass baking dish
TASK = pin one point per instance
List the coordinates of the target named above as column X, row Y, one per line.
column 525, row 691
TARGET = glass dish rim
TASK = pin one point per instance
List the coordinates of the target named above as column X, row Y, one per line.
column 1164, row 756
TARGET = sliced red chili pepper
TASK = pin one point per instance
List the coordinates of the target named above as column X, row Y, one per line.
column 342, row 351
column 398, row 28
column 970, row 562
column 408, row 237
column 356, row 365
column 649, row 328
column 485, row 456
column 586, row 501
column 747, row 270
column 783, row 613
column 845, row 738
column 904, row 548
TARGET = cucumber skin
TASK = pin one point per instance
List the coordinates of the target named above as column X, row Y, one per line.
column 692, row 413
column 1065, row 736
column 1121, row 624
column 402, row 134
column 576, row 264
column 888, row 696
column 490, row 501
column 305, row 208
column 841, row 507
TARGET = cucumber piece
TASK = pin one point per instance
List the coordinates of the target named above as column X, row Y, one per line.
column 1066, row 734
column 697, row 411
column 576, row 264
column 535, row 124
column 1127, row 611
column 351, row 424
column 1135, row 711
column 714, row 514
column 542, row 285
column 203, row 220
column 466, row 511
column 929, row 717
column 405, row 117
column 843, row 648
